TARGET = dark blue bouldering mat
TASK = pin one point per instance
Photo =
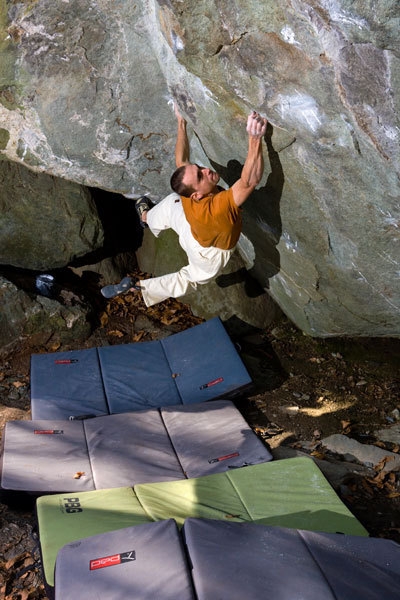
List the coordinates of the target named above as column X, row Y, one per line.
column 205, row 362
column 137, row 376
column 195, row 365
column 67, row 383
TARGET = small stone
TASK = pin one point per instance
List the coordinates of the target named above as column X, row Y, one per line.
column 389, row 434
column 366, row 454
column 396, row 414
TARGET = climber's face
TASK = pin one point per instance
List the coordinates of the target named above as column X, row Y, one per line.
column 201, row 179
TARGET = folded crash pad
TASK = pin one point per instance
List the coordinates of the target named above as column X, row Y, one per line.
column 143, row 563
column 126, row 449
column 289, row 493
column 195, row 365
column 233, row 561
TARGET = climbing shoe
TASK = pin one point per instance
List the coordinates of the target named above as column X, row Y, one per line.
column 125, row 285
column 142, row 205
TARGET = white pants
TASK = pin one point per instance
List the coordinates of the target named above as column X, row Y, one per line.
column 204, row 263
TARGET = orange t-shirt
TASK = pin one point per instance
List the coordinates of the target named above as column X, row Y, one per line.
column 214, row 220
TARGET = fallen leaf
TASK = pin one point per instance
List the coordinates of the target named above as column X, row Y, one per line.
column 382, row 463
column 79, row 474
column 138, row 336
column 317, row 454
column 116, row 333
column 169, row 321
column 378, row 481
column 54, row 346
column 380, row 444
column 12, row 562
column 18, row 384
column 103, row 319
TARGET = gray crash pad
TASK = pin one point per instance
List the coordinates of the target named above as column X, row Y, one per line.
column 145, row 562
column 126, row 449
column 228, row 561
column 233, row 561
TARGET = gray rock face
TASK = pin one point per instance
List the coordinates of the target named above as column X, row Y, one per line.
column 234, row 295
column 45, row 222
column 84, row 91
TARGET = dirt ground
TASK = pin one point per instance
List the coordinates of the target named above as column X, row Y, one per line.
column 304, row 390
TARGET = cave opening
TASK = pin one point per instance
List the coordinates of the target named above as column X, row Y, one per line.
column 122, row 235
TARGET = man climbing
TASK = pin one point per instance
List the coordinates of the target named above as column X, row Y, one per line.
column 206, row 218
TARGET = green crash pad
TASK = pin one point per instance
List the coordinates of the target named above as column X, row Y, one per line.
column 289, row 493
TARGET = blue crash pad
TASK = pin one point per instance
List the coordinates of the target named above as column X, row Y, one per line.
column 67, row 383
column 195, row 365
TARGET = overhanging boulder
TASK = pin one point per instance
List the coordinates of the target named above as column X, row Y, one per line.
column 84, row 96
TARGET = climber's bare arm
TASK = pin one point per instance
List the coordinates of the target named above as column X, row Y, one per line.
column 253, row 167
column 182, row 150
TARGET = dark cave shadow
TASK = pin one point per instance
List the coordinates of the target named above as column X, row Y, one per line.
column 258, row 355
column 252, row 287
column 122, row 234
column 263, row 207
column 121, row 226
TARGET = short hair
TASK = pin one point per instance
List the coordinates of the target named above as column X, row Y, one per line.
column 178, row 186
